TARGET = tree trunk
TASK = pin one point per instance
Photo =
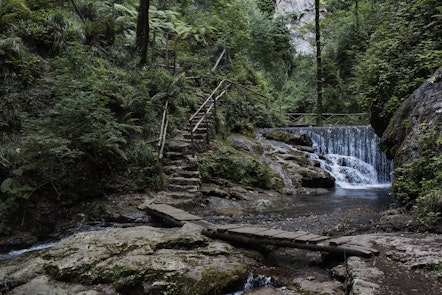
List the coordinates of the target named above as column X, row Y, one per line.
column 77, row 10
column 142, row 40
column 318, row 67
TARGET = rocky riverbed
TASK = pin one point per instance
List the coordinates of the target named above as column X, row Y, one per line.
column 112, row 246
column 149, row 259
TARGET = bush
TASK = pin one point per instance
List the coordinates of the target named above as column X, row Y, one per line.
column 419, row 182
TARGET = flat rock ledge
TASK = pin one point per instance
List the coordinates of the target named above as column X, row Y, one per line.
column 136, row 260
column 150, row 260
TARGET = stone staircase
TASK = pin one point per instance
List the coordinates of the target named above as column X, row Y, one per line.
column 180, row 164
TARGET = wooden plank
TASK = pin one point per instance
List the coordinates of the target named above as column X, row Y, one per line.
column 225, row 227
column 163, row 210
column 271, row 232
column 205, row 224
column 290, row 235
column 339, row 241
column 247, row 230
column 184, row 216
column 307, row 238
column 320, row 239
column 363, row 249
column 253, row 235
column 358, row 249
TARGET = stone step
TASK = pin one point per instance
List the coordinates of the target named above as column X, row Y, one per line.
column 195, row 181
column 203, row 124
column 184, row 188
column 182, row 168
column 209, row 120
column 199, row 130
column 179, row 172
column 179, row 194
column 198, row 137
column 182, row 146
column 173, row 155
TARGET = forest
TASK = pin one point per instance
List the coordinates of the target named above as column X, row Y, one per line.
column 83, row 85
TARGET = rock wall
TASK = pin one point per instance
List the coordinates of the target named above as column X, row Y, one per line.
column 414, row 140
column 420, row 112
column 304, row 13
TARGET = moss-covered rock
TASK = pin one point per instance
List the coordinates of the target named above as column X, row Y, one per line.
column 264, row 164
column 150, row 260
column 241, row 166
column 289, row 138
column 414, row 139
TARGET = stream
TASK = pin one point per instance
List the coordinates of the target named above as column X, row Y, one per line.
column 351, row 154
column 362, row 193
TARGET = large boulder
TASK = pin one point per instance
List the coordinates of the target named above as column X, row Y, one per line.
column 147, row 259
column 296, row 168
column 295, row 139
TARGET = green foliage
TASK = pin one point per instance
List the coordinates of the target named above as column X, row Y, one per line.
column 267, row 6
column 298, row 94
column 11, row 12
column 144, row 169
column 377, row 53
column 403, row 51
column 420, row 180
column 50, row 31
column 16, row 62
column 269, row 48
column 241, row 168
column 244, row 112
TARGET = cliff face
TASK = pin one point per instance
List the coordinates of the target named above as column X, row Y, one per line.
column 304, row 13
column 414, row 140
column 418, row 114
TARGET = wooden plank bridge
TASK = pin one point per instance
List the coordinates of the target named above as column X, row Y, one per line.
column 249, row 235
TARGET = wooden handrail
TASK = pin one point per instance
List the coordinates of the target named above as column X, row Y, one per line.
column 297, row 117
column 207, row 100
column 208, row 111
column 207, row 106
column 163, row 131
column 210, row 103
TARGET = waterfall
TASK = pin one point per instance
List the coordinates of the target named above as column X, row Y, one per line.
column 351, row 154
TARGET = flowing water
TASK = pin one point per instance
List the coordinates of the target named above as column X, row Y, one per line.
column 352, row 155
column 363, row 179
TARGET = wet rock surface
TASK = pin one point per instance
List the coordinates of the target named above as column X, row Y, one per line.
column 289, row 158
column 136, row 260
column 154, row 260
column 113, row 247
